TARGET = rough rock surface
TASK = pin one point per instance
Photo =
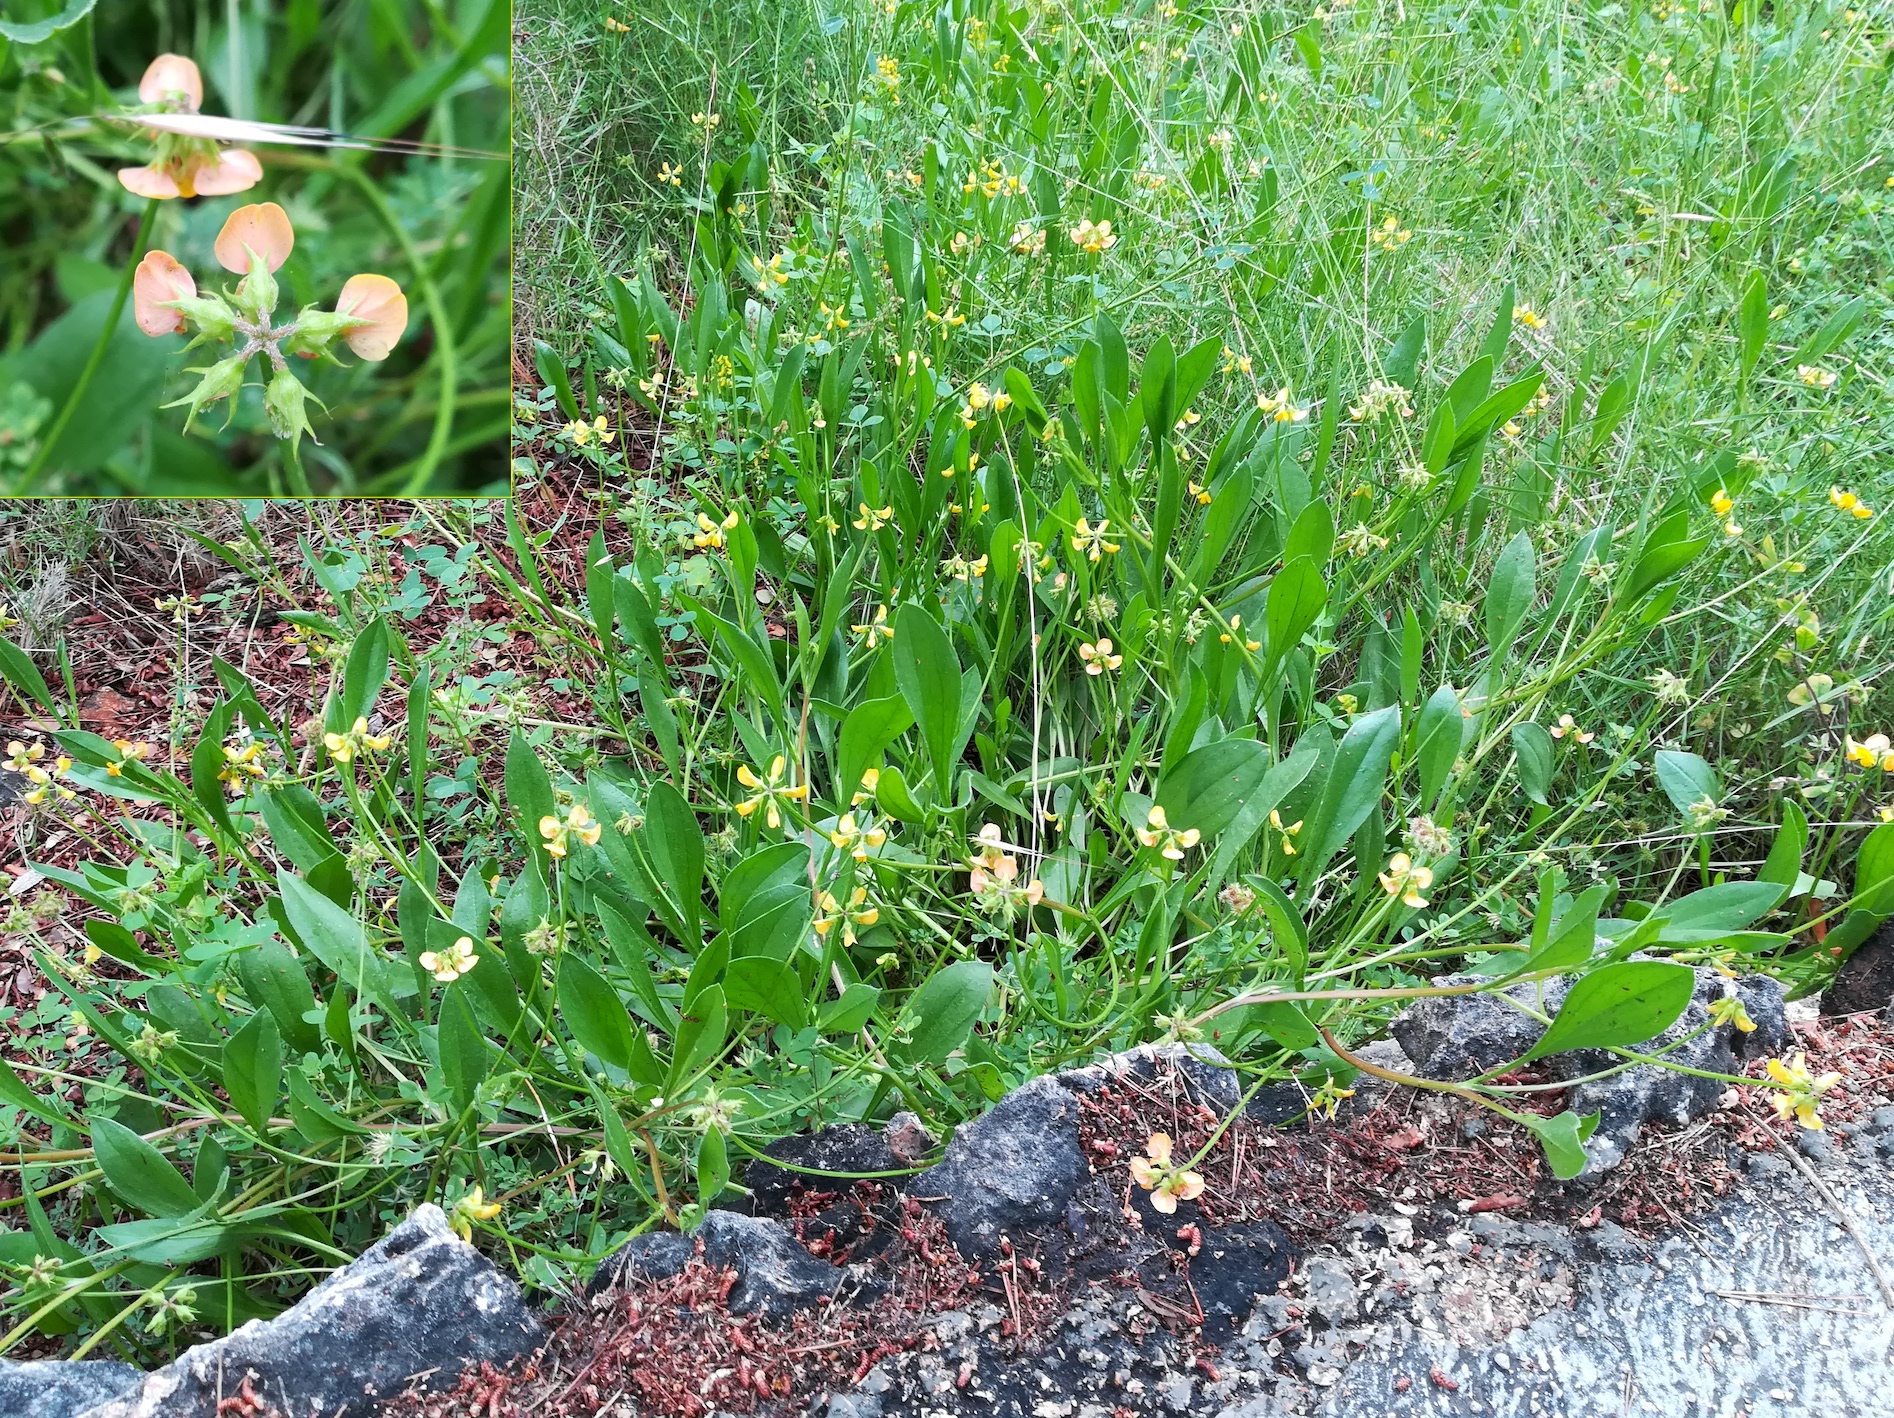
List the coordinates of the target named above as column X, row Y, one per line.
column 419, row 1301
column 775, row 1276
column 1444, row 1314
column 1013, row 1169
column 1626, row 1101
column 1457, row 1037
column 59, row 1390
column 1865, row 981
column 825, row 1160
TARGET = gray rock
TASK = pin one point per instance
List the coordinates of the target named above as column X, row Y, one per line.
column 829, row 1161
column 1012, row 1170
column 1814, row 1145
column 1765, row 1165
column 1881, row 1120
column 56, row 1389
column 1203, row 1073
column 419, row 1301
column 775, row 1276
column 1331, row 1290
column 1457, row 1037
column 854, row 1405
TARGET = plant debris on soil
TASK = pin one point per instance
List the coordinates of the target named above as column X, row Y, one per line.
column 673, row 1347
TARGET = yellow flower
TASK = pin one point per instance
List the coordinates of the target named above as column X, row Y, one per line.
column 471, row 1208
column 1872, row 752
column 1200, row 492
column 614, row 26
column 1236, row 626
column 669, row 176
column 128, row 752
column 872, row 520
column 1329, row 1097
column 870, row 781
column 1281, row 406
column 450, row 964
column 857, row 913
column 771, row 794
column 1098, row 657
column 876, row 627
column 1528, row 317
column 582, row 433
column 1405, row 880
column 1815, row 376
column 706, row 120
column 709, row 533
column 1800, row 1094
column 241, row 763
column 854, row 839
column 22, row 759
column 1275, row 821
column 344, row 748
column 1566, row 725
column 579, row 823
column 1815, row 690
column 1095, row 238
column 1027, row 240
column 1090, row 540
column 1170, row 842
column 1721, row 503
column 1729, row 1010
column 1167, row 1184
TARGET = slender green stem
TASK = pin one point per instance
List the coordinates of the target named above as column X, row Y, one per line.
column 97, row 357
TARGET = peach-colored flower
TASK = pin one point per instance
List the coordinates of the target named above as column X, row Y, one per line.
column 159, row 278
column 380, row 301
column 194, row 175
column 170, row 77
column 262, row 227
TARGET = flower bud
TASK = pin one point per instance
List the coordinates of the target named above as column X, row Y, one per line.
column 215, row 320
column 317, row 329
column 256, row 292
column 221, row 381
column 283, row 402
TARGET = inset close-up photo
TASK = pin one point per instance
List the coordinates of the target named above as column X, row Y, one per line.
column 254, row 250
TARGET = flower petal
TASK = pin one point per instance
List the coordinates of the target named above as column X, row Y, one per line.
column 160, row 277
column 376, row 299
column 234, row 171
column 147, row 182
column 169, row 75
column 264, row 228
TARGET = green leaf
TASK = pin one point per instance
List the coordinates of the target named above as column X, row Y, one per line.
column 364, row 674
column 700, row 1034
column 713, row 1166
column 767, row 987
column 466, row 1057
column 1667, row 551
column 1562, row 1137
column 39, row 31
column 1569, row 944
column 928, row 674
column 528, row 793
column 870, row 727
column 1687, row 780
column 942, row 1012
column 1618, row 1006
column 19, row 671
column 275, row 979
column 207, row 761
column 674, row 842
column 756, row 671
column 1783, row 867
column 1718, row 910
column 1291, row 932
column 1352, row 788
column 1752, row 324
column 1874, row 871
column 1532, row 749
column 337, row 939
column 552, row 370
column 593, row 1012
column 139, row 1173
column 1286, row 1023
column 850, row 1012
column 1296, row 598
column 1437, row 742
column 253, row 1070
column 14, row 1093
column 1211, row 785
column 1509, row 595
column 892, row 797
